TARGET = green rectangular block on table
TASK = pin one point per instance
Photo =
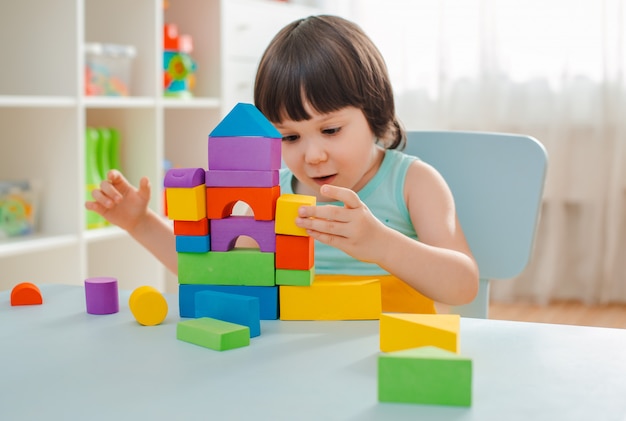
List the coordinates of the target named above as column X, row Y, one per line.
column 295, row 277
column 249, row 267
column 214, row 334
column 425, row 375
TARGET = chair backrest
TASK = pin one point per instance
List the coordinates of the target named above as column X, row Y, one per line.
column 497, row 181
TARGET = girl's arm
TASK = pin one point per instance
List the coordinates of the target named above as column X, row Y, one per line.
column 440, row 265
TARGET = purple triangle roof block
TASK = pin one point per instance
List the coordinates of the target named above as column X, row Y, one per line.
column 245, row 120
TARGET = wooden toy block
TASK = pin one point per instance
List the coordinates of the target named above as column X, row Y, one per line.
column 26, row 294
column 295, row 277
column 101, row 295
column 262, row 200
column 200, row 227
column 240, row 309
column 236, row 267
column 212, row 333
column 294, row 252
column 193, row 243
column 244, row 153
column 331, row 300
column 184, row 177
column 287, row 207
column 238, row 178
column 224, row 233
column 404, row 331
column 186, row 203
column 425, row 375
column 267, row 296
column 245, row 120
column 148, row 306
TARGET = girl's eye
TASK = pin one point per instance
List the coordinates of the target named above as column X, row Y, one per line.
column 290, row 138
column 332, row 131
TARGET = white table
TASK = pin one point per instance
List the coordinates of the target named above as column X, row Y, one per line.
column 60, row 363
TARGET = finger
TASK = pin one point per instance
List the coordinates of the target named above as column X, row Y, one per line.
column 95, row 206
column 102, row 199
column 324, row 226
column 349, row 198
column 110, row 191
column 144, row 187
column 331, row 212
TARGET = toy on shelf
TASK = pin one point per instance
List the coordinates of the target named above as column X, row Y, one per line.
column 18, row 208
column 102, row 153
column 178, row 66
column 108, row 69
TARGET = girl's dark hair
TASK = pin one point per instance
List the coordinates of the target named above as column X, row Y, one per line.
column 330, row 63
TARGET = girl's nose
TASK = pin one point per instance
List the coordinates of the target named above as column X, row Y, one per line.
column 314, row 153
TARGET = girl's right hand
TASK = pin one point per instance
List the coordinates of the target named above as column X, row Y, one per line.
column 119, row 202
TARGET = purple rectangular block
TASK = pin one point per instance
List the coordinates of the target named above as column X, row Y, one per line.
column 244, row 153
column 239, row 178
column 224, row 233
column 184, row 177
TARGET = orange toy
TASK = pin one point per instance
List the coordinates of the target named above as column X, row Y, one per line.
column 221, row 200
column 294, row 252
column 26, row 294
column 200, row 227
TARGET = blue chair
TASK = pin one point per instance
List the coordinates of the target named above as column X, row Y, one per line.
column 497, row 181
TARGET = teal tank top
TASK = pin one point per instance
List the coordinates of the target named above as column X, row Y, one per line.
column 383, row 195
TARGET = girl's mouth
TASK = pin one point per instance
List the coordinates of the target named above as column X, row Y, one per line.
column 324, row 180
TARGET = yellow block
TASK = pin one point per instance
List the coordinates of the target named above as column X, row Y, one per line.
column 332, row 298
column 400, row 331
column 186, row 203
column 287, row 207
column 148, row 306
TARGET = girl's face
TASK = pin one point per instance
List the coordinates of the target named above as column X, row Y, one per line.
column 337, row 148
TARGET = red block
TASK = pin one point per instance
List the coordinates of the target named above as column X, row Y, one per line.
column 294, row 252
column 221, row 200
column 200, row 227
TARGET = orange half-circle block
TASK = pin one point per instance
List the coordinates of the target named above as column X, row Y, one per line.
column 26, row 294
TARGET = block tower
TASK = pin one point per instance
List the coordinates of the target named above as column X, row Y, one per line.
column 244, row 158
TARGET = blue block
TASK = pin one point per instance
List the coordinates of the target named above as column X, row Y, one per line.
column 245, row 120
column 268, row 298
column 193, row 243
column 234, row 308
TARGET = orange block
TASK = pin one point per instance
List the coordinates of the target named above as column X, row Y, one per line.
column 25, row 294
column 294, row 252
column 262, row 200
column 200, row 227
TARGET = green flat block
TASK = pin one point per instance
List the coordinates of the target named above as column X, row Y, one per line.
column 425, row 375
column 249, row 267
column 212, row 333
column 295, row 277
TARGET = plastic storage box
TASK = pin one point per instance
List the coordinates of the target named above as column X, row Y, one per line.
column 108, row 69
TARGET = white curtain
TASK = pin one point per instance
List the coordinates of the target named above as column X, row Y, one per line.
column 551, row 69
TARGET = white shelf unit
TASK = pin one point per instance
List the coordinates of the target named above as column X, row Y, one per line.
column 44, row 113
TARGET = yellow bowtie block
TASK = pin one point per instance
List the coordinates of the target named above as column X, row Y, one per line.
column 331, row 298
column 186, row 203
column 400, row 331
column 287, row 207
column 148, row 306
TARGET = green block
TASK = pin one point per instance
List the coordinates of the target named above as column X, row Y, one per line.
column 249, row 267
column 295, row 277
column 212, row 333
column 425, row 375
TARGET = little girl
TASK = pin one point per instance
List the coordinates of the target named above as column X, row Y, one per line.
column 381, row 213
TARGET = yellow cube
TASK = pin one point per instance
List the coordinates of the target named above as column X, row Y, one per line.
column 186, row 203
column 287, row 207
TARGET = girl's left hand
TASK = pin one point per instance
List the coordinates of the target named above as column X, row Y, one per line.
column 351, row 228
